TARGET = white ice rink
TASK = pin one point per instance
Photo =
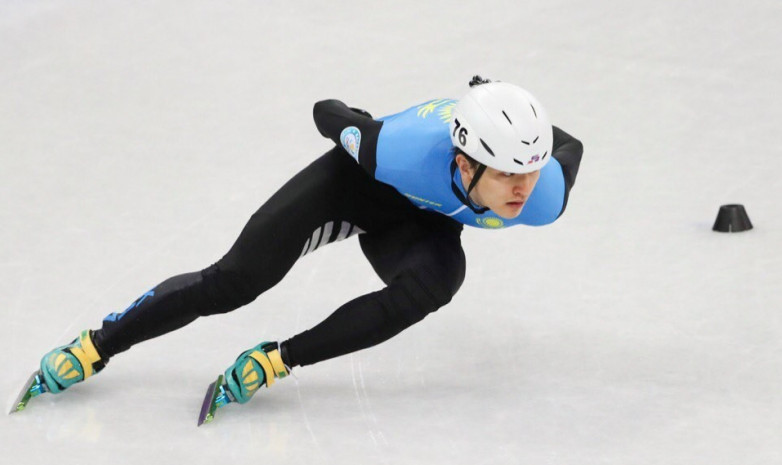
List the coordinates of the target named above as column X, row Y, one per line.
column 136, row 139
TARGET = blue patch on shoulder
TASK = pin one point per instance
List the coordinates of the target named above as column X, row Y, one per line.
column 351, row 140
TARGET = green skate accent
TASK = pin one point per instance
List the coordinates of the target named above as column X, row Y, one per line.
column 67, row 365
column 32, row 388
column 253, row 368
column 214, row 399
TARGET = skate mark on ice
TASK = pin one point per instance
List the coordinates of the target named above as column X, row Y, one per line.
column 359, row 386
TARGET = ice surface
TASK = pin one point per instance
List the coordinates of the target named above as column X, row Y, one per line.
column 136, row 138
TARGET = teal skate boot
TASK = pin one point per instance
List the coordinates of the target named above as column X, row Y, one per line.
column 254, row 368
column 67, row 365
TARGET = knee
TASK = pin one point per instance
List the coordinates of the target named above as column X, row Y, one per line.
column 416, row 294
column 443, row 280
column 226, row 289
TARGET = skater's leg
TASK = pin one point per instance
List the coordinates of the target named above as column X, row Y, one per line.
column 264, row 252
column 170, row 305
column 423, row 265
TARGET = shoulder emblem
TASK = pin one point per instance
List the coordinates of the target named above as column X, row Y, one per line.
column 351, row 140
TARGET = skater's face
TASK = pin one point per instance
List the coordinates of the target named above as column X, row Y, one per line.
column 503, row 193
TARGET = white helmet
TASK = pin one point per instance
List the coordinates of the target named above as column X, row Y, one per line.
column 504, row 127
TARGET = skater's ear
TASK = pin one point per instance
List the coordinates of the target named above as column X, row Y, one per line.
column 467, row 165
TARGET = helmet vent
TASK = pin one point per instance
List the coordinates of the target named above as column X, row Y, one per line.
column 506, row 117
column 533, row 111
column 488, row 149
column 536, row 139
column 544, row 155
column 520, row 163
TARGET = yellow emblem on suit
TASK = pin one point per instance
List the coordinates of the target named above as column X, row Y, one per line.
column 490, row 223
column 444, row 105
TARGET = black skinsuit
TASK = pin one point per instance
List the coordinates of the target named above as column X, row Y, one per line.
column 416, row 253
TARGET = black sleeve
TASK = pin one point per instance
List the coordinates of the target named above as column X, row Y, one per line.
column 567, row 150
column 331, row 119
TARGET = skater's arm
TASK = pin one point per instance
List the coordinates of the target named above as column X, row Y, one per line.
column 567, row 150
column 352, row 129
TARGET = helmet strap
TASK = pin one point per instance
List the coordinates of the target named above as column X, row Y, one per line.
column 476, row 177
column 460, row 195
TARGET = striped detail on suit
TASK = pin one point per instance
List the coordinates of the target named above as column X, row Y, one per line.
column 328, row 233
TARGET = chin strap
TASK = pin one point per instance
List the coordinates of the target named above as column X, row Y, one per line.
column 465, row 199
column 475, row 178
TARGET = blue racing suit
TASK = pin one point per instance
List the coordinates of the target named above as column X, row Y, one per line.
column 412, row 151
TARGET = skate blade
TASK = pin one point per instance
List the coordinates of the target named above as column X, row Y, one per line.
column 33, row 387
column 209, row 405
